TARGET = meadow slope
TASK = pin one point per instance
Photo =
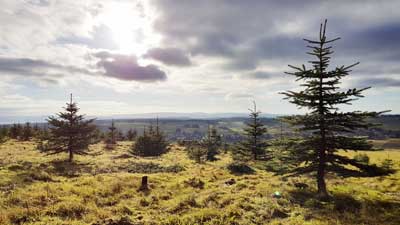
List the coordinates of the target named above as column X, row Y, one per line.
column 102, row 188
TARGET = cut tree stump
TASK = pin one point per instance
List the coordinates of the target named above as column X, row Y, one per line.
column 144, row 186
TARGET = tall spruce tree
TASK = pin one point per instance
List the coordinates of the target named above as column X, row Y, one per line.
column 324, row 128
column 69, row 132
column 254, row 144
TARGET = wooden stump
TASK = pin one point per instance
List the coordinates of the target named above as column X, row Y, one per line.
column 144, row 186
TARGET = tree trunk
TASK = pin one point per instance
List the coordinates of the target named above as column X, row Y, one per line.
column 71, row 156
column 144, row 185
column 322, row 192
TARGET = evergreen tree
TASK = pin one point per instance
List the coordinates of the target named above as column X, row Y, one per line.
column 36, row 130
column 196, row 152
column 254, row 144
column 120, row 136
column 212, row 142
column 15, row 131
column 97, row 136
column 111, row 139
column 131, row 135
column 27, row 132
column 44, row 133
column 69, row 132
column 151, row 143
column 324, row 128
column 3, row 134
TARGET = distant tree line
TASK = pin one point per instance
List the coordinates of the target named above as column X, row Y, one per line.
column 23, row 132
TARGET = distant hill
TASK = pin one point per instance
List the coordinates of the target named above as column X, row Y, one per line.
column 161, row 115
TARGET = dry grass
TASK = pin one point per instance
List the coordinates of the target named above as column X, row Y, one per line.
column 38, row 189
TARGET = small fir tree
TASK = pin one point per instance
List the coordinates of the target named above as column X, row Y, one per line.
column 254, row 145
column 3, row 134
column 131, row 135
column 151, row 143
column 120, row 136
column 324, row 128
column 212, row 142
column 36, row 130
column 197, row 152
column 15, row 131
column 111, row 138
column 69, row 132
column 27, row 132
column 98, row 136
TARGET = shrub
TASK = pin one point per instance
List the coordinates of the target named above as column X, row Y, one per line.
column 197, row 153
column 362, row 158
column 151, row 143
column 387, row 164
column 240, row 168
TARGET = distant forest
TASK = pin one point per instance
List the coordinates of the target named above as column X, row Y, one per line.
column 231, row 128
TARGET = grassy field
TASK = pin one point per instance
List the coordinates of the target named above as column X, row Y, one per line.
column 103, row 189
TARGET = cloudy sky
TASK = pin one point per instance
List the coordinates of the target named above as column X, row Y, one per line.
column 126, row 56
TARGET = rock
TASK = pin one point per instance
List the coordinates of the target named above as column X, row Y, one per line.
column 276, row 194
column 230, row 182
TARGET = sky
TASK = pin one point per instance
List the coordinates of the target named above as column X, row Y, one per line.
column 127, row 57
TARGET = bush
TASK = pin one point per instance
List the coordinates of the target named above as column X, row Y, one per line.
column 387, row 164
column 197, row 153
column 240, row 168
column 152, row 143
column 362, row 158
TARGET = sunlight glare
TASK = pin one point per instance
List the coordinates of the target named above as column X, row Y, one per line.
column 131, row 28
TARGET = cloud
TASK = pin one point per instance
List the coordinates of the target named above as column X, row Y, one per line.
column 36, row 67
column 232, row 96
column 125, row 67
column 248, row 35
column 100, row 38
column 169, row 56
column 380, row 82
column 257, row 75
column 121, row 67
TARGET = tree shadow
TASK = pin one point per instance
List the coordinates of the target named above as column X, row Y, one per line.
column 69, row 169
column 346, row 209
column 365, row 170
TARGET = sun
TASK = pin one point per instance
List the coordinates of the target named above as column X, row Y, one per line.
column 131, row 27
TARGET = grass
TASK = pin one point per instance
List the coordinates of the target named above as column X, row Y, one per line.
column 391, row 143
column 103, row 189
